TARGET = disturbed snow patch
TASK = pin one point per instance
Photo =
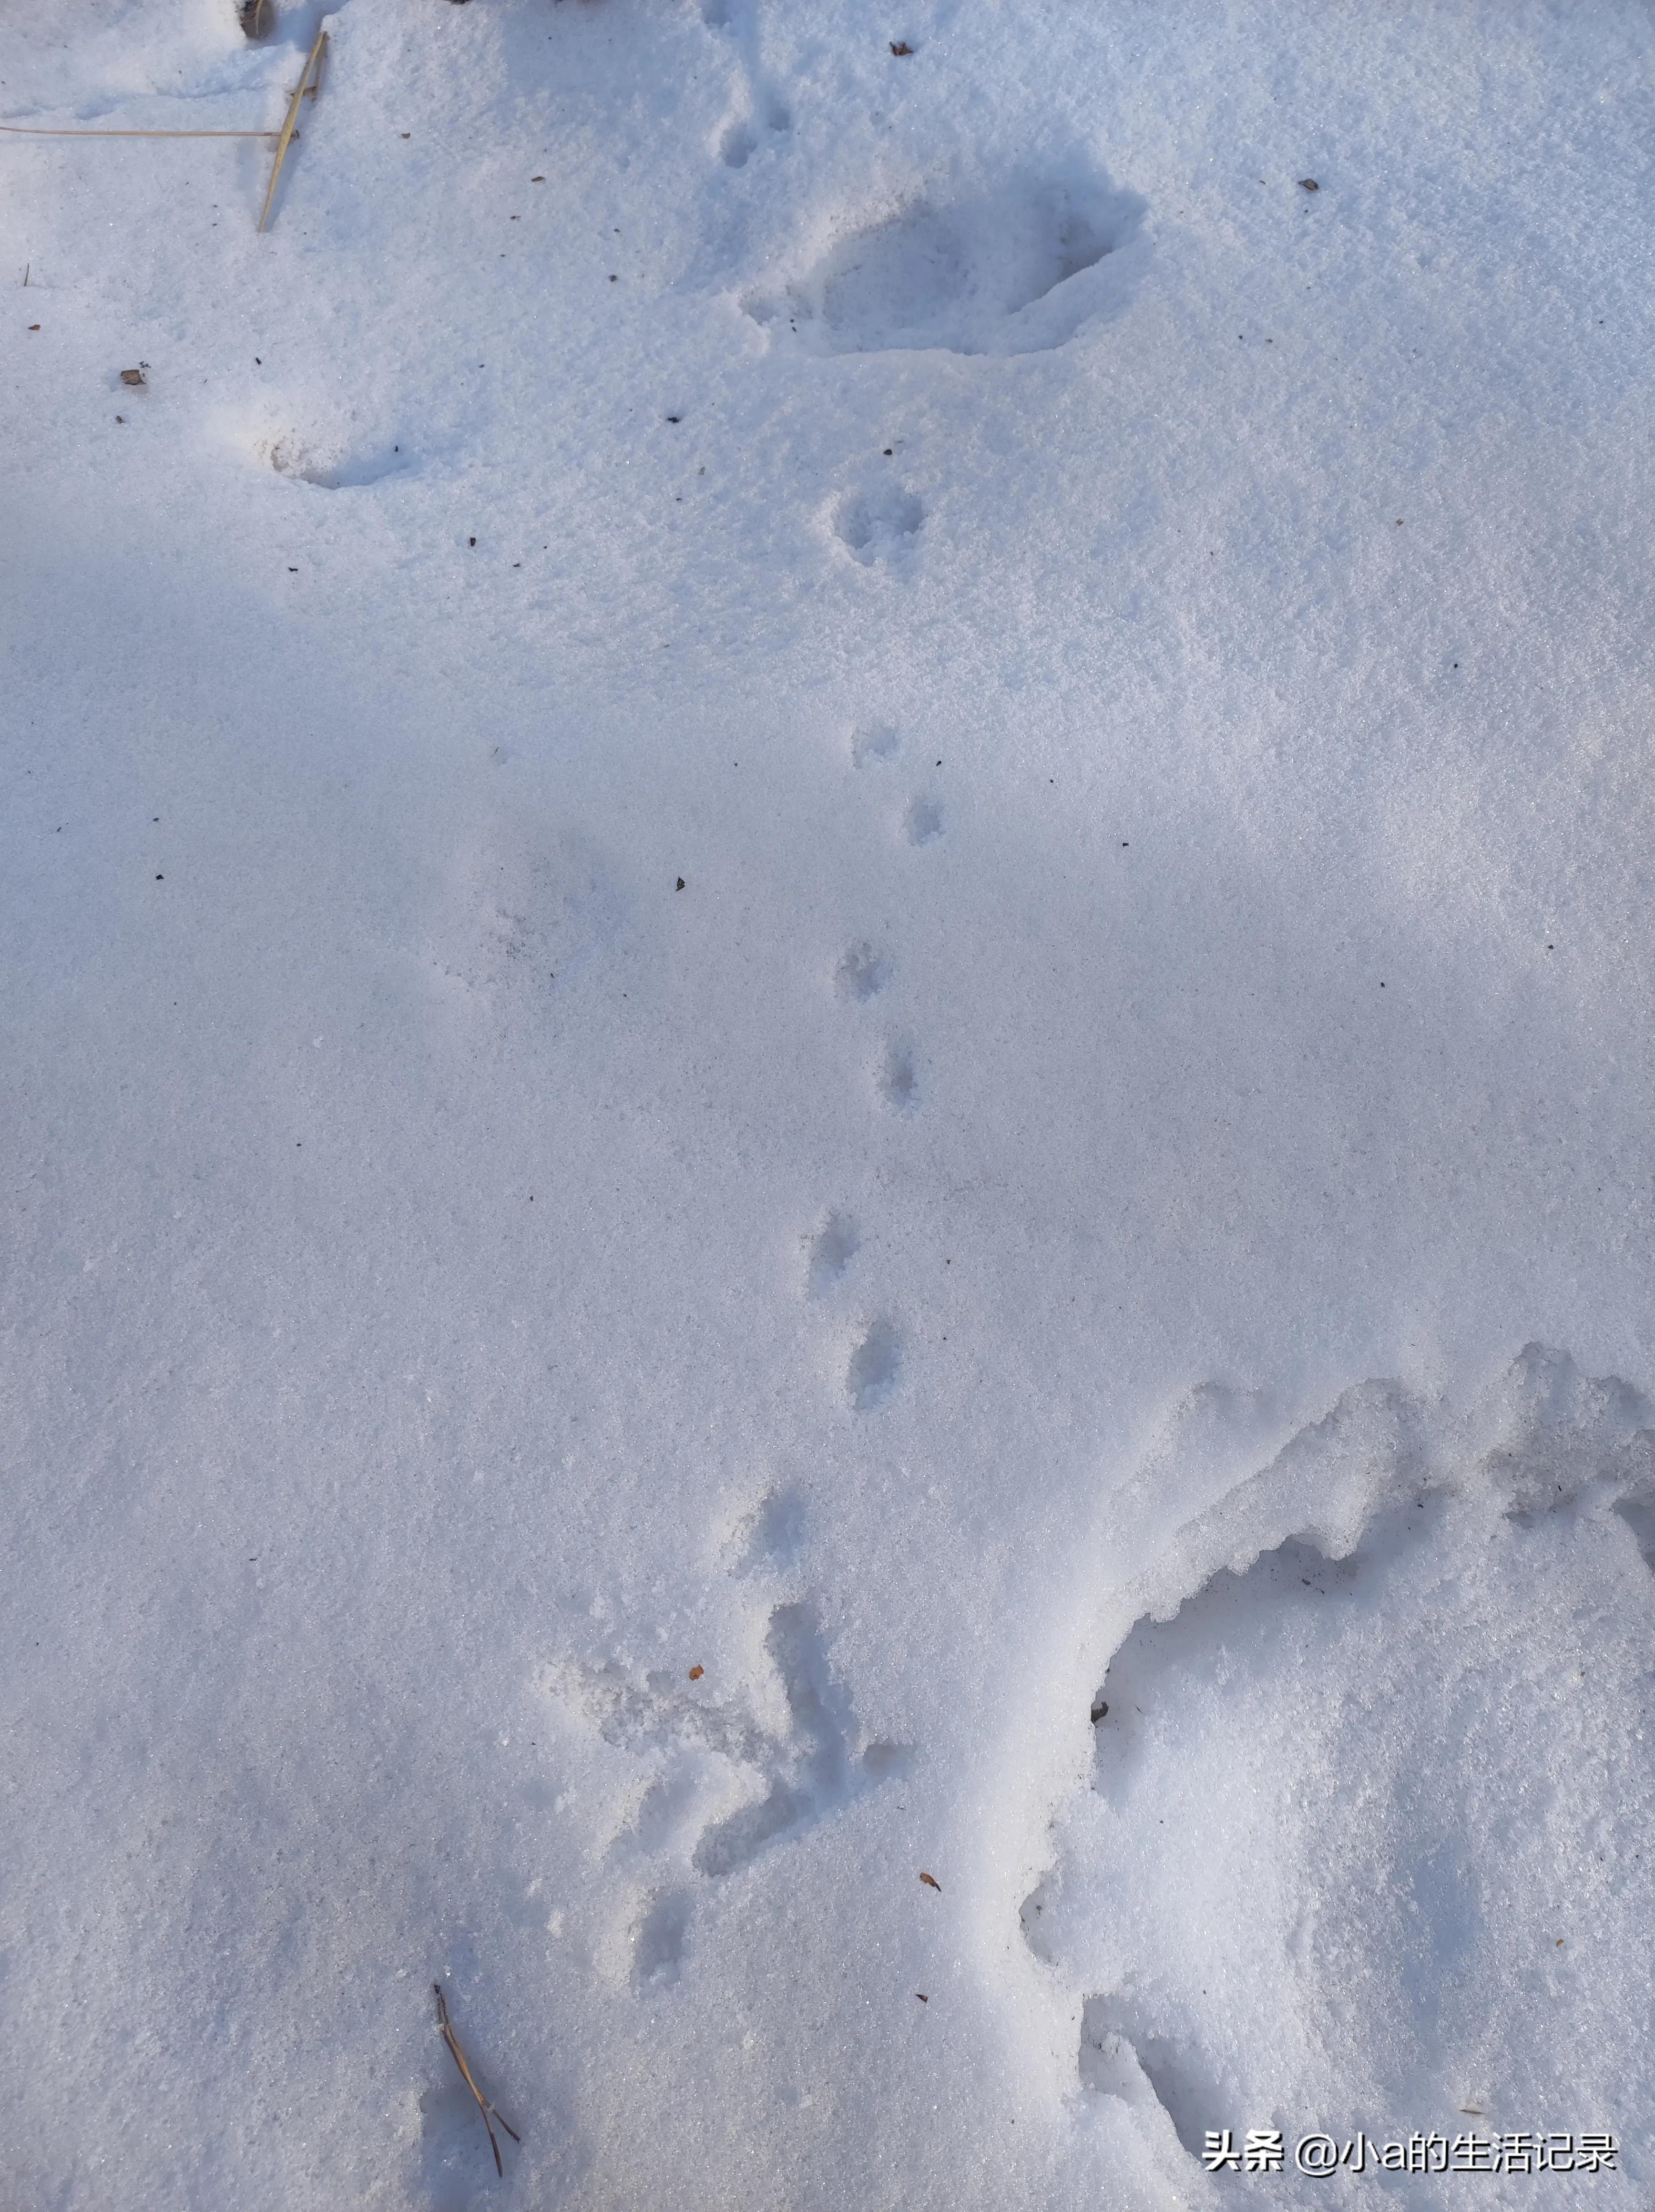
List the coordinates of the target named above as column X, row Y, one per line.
column 724, row 1777
column 331, row 464
column 1366, row 1842
column 315, row 440
column 526, row 905
column 1015, row 267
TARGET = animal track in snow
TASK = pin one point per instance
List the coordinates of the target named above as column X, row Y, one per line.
column 1370, row 1791
column 872, row 742
column 724, row 1786
column 770, row 1534
column 923, row 822
column 314, row 441
column 875, row 1370
column 880, row 523
column 862, row 973
column 831, row 1252
column 524, row 912
column 898, row 1080
column 762, row 115
column 333, row 468
column 743, row 135
column 1014, row 267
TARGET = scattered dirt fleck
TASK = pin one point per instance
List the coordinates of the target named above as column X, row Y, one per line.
column 696, row 1672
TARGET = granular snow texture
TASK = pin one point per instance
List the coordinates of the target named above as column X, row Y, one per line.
column 827, row 881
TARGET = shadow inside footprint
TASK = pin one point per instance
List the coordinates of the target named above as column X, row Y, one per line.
column 874, row 525
column 739, row 143
column 899, row 1082
column 863, row 973
column 832, row 1250
column 874, row 741
column 773, row 1535
column 658, row 1946
column 821, row 1775
column 876, row 1369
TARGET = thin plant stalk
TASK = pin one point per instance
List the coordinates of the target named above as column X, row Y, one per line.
column 489, row 2114
column 312, row 61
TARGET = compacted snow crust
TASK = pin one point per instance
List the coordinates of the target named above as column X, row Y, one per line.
column 826, row 889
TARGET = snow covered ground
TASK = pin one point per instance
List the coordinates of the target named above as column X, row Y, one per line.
column 827, row 888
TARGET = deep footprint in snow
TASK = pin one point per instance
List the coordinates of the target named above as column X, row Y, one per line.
column 882, row 524
column 746, row 135
column 763, row 117
column 1016, row 267
column 1366, row 1842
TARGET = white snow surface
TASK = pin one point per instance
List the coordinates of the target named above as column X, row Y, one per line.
column 568, row 1436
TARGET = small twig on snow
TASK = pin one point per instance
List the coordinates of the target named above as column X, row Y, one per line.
column 490, row 2114
column 312, row 63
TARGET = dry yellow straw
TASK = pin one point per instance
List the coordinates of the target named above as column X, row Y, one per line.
column 312, row 62
column 38, row 130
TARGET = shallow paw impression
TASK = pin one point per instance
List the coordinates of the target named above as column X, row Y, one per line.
column 526, row 907
column 1367, row 1839
column 1016, row 267
column 329, row 447
column 829, row 1252
column 863, row 973
column 723, row 1782
column 330, row 465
